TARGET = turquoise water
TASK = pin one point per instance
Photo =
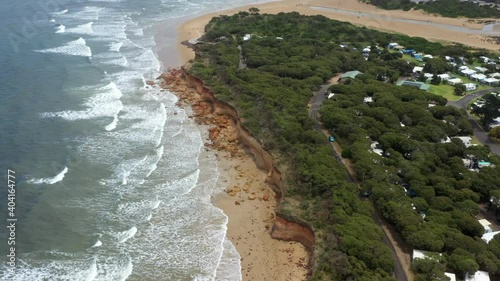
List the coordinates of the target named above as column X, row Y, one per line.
column 110, row 181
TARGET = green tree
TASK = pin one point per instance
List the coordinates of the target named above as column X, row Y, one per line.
column 459, row 89
column 436, row 80
column 495, row 133
column 253, row 10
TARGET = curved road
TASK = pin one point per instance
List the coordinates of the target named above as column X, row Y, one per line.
column 480, row 134
column 317, row 100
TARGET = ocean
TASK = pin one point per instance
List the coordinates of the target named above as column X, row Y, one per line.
column 111, row 182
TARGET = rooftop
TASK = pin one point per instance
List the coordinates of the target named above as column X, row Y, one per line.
column 420, row 85
column 477, row 276
column 351, row 74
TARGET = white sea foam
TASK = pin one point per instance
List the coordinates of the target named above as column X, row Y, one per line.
column 60, row 28
column 106, row 103
column 92, row 273
column 52, row 20
column 61, row 12
column 122, row 61
column 127, row 234
column 98, row 243
column 89, row 13
column 74, row 48
column 111, row 126
column 57, row 178
column 145, row 61
column 115, row 47
column 64, row 267
column 229, row 268
column 81, row 29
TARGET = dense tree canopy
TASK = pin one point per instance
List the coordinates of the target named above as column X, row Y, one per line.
column 447, row 8
column 419, row 184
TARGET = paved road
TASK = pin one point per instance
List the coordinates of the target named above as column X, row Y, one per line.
column 480, row 134
column 318, row 98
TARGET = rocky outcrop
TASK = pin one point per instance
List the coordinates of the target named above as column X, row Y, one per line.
column 290, row 229
column 210, row 107
column 227, row 134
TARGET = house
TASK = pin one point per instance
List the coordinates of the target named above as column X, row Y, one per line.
column 486, row 225
column 484, row 59
column 367, row 50
column 487, row 237
column 418, row 69
column 375, row 148
column 495, row 123
column 350, row 74
column 454, row 81
column 428, row 75
column 481, row 69
column 494, row 75
column 368, row 100
column 470, row 86
column 444, row 76
column 418, row 254
column 420, row 85
column 477, row 276
column 247, row 37
column 451, row 276
column 445, row 140
column 428, row 56
column 463, row 67
column 466, row 140
column 468, row 72
column 467, row 163
column 491, row 81
column 330, row 95
column 392, row 45
column 478, row 76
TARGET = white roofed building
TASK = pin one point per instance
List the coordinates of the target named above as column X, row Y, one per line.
column 477, row 276
column 468, row 72
column 451, row 276
column 491, row 81
column 466, row 140
column 487, row 237
column 454, row 81
column 481, row 69
column 418, row 69
column 470, row 86
column 478, row 76
column 444, row 76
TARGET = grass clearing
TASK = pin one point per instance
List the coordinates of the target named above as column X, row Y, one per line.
column 409, row 58
column 445, row 91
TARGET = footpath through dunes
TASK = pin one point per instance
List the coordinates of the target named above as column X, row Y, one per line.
column 399, row 250
column 478, row 130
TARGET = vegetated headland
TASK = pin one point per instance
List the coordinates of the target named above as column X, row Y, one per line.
column 263, row 69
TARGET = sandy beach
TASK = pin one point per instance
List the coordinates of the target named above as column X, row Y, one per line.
column 243, row 195
column 390, row 21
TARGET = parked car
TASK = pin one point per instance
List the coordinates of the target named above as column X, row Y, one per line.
column 331, row 138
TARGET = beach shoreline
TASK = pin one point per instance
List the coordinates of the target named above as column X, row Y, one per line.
column 244, row 194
